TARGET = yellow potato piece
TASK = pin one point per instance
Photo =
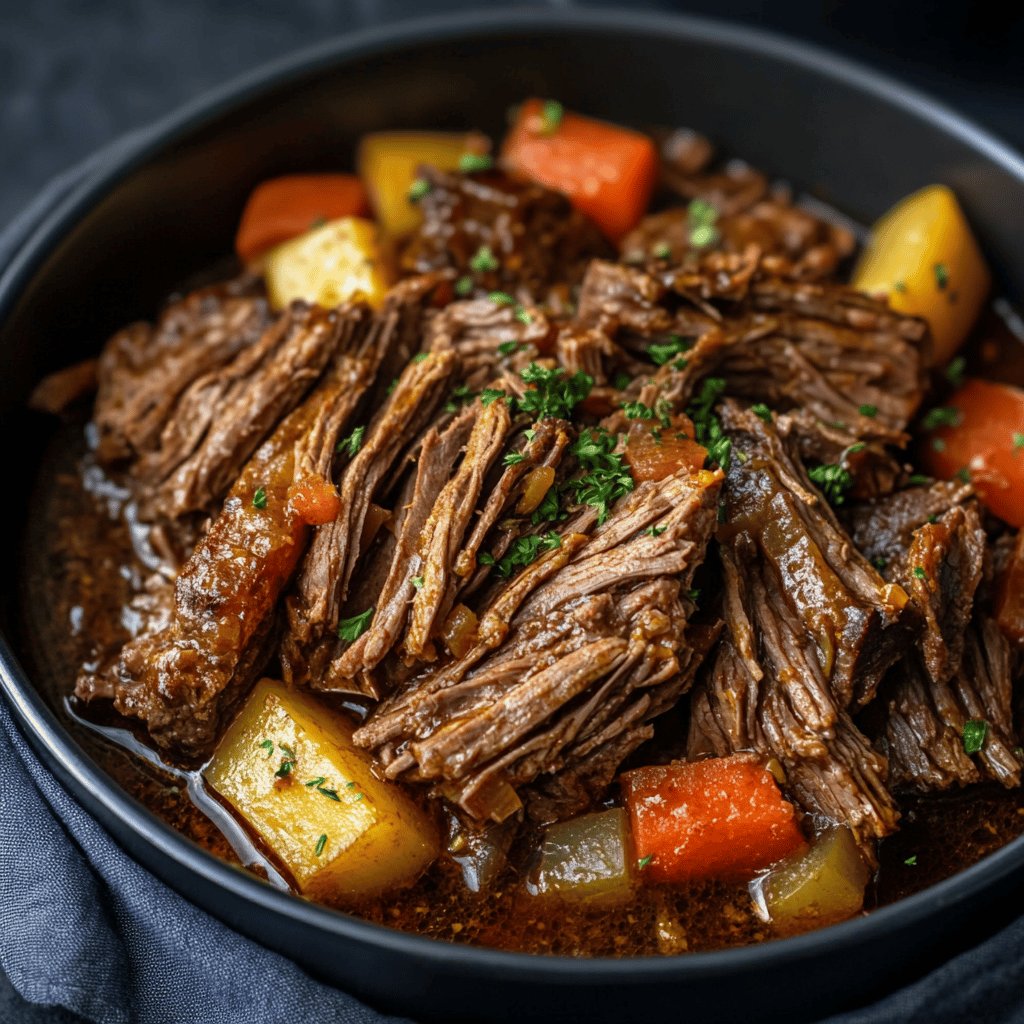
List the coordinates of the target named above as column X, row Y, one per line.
column 338, row 262
column 924, row 258
column 288, row 767
column 388, row 163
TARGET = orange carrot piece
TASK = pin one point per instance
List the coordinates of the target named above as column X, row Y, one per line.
column 315, row 500
column 719, row 818
column 606, row 171
column 284, row 208
column 985, row 445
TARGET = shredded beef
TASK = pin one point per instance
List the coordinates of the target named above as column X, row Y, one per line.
column 581, row 657
column 536, row 238
column 144, row 369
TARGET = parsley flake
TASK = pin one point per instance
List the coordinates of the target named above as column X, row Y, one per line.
column 605, row 477
column 1018, row 442
column 352, row 629
column 920, row 572
column 418, row 189
column 871, row 411
column 501, row 298
column 417, row 582
column 474, row 163
column 644, row 861
column 655, row 531
column 762, row 412
column 662, row 352
column 513, row 458
column 464, row 286
column 701, row 217
column 955, row 371
column 351, row 444
column 551, row 114
column 268, row 746
column 911, row 861
column 506, row 348
column 523, row 551
column 320, row 844
column 941, row 276
column 483, row 260
column 974, row 735
column 833, row 481
column 259, row 498
column 552, row 394
column 941, row 416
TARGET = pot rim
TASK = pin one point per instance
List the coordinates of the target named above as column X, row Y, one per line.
column 104, row 171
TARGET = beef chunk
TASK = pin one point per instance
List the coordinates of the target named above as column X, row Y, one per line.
column 144, row 369
column 571, row 657
column 850, row 614
column 535, row 236
column 493, row 340
column 314, row 609
column 925, row 728
column 183, row 679
column 842, row 357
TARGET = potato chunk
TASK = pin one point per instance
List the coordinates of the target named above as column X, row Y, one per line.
column 288, row 767
column 338, row 262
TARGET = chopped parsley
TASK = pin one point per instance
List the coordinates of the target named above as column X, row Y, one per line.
column 474, row 163
column 331, row 794
column 523, row 551
column 662, row 251
column 919, row 480
column 938, row 444
column 1018, row 442
column 941, row 416
column 880, row 562
column 662, row 352
column 637, row 411
column 506, row 348
column 464, row 286
column 899, row 286
column 352, row 629
column 459, row 396
column 552, row 393
column 392, row 386
column 655, row 531
column 605, row 477
column 417, row 582
column 941, row 276
column 621, row 381
column 920, row 572
column 420, row 357
column 701, row 217
column 259, row 498
column 644, row 861
column 287, row 764
column 548, row 510
column 418, row 189
column 857, row 446
column 483, row 260
column 833, row 481
column 351, row 444
column 955, row 371
column 911, row 861
column 762, row 412
column 963, row 474
column 975, row 734
column 320, row 844
column 489, row 395
column 551, row 114
column 501, row 298
column 871, row 411
column 707, row 425
column 522, row 316
column 513, row 458
column 268, row 746
column 318, row 781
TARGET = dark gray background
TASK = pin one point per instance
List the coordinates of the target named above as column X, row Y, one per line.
column 74, row 74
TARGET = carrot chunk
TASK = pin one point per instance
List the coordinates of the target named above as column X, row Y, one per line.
column 719, row 818
column 315, row 500
column 981, row 439
column 606, row 171
column 287, row 207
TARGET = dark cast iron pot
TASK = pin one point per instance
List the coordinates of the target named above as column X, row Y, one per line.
column 163, row 206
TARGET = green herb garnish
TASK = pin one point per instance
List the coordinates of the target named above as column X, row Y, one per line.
column 920, row 572
column 320, row 844
column 418, row 189
column 662, row 352
column 525, row 550
column 489, row 395
column 513, row 458
column 1018, row 442
column 955, row 371
column 662, row 251
column 701, row 217
column 552, row 394
column 637, row 411
column 975, row 734
column 506, row 348
column 483, row 260
column 459, row 396
column 655, row 531
column 871, row 411
column 501, row 298
column 464, row 287
column 268, row 746
column 833, row 481
column 474, row 163
column 911, row 861
column 352, row 629
column 941, row 276
column 551, row 114
column 318, row 781
column 605, row 477
column 353, row 442
column 762, row 412
column 644, row 861
column 941, row 416
column 417, row 582
column 707, row 425
column 259, row 498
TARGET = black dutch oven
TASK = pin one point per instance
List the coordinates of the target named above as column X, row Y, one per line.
column 163, row 205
